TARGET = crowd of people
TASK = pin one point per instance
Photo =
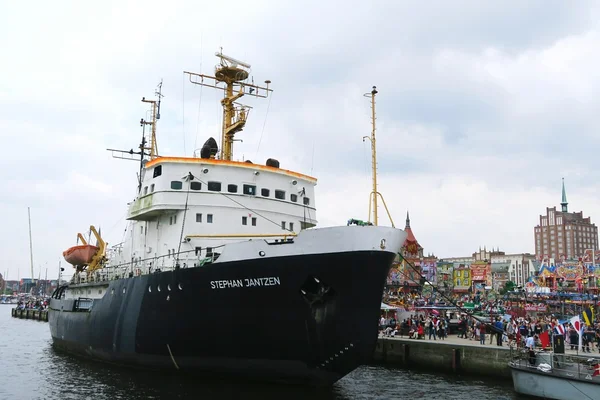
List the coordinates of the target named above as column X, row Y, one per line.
column 33, row 304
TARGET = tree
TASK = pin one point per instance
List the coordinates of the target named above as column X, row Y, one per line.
column 508, row 287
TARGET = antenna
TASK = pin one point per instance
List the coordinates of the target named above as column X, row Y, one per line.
column 144, row 150
column 374, row 192
column 233, row 73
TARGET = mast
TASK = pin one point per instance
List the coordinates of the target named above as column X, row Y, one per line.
column 233, row 73
column 374, row 192
column 30, row 243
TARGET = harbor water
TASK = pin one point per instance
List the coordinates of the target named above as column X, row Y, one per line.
column 31, row 369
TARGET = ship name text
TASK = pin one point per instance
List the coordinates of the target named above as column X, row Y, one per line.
column 246, row 282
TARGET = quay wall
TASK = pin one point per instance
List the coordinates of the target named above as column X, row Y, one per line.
column 444, row 356
column 30, row 314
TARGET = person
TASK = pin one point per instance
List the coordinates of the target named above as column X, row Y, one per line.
column 530, row 345
column 481, row 333
column 499, row 331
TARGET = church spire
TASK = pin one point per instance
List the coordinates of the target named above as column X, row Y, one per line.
column 407, row 221
column 564, row 203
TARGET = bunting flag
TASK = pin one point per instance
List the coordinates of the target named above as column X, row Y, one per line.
column 596, row 370
column 588, row 316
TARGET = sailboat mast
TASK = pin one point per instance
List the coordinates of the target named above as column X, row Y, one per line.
column 30, row 243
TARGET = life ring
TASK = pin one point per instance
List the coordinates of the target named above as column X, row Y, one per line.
column 138, row 272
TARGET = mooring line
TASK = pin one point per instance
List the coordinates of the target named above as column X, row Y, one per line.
column 172, row 358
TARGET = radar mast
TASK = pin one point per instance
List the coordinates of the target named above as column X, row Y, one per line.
column 233, row 73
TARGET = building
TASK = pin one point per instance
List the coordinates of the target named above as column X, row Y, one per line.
column 520, row 266
column 444, row 275
column 462, row 279
column 481, row 276
column 562, row 235
column 500, row 275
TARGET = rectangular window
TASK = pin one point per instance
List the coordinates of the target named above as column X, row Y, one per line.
column 244, row 220
column 169, row 252
column 152, row 188
column 294, row 198
column 306, row 201
column 291, row 226
column 157, row 171
column 199, row 217
column 282, row 224
column 196, row 185
column 176, row 185
column 264, row 192
column 280, row 194
column 209, row 218
column 171, row 220
column 253, row 221
column 198, row 250
column 141, row 229
column 208, row 251
column 214, row 186
column 145, row 190
column 232, row 188
column 250, row 189
column 174, row 219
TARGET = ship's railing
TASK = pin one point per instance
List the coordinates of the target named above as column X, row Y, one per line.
column 139, row 267
column 573, row 366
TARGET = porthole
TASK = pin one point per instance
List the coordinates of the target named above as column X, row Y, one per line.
column 123, row 290
column 180, row 287
column 149, row 289
column 112, row 291
column 261, row 253
column 158, row 288
column 168, row 298
column 169, row 287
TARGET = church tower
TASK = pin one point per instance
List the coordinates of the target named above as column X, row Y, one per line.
column 564, row 203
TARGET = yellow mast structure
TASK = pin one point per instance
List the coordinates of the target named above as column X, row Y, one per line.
column 374, row 191
column 233, row 73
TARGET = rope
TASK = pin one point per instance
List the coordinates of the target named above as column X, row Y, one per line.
column 264, row 124
column 183, row 110
column 190, row 177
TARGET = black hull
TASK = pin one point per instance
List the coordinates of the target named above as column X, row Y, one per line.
column 314, row 320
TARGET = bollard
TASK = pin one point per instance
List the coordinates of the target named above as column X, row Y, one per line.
column 405, row 353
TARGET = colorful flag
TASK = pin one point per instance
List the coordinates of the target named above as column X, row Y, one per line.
column 545, row 339
column 576, row 323
column 596, row 370
column 559, row 329
column 588, row 316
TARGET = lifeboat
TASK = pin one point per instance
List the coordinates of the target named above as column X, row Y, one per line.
column 80, row 255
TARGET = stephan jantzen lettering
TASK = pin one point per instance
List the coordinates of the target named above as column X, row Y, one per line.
column 245, row 282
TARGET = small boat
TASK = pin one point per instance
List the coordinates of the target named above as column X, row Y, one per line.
column 557, row 376
column 80, row 255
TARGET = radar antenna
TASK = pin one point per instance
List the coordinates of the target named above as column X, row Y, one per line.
column 374, row 192
column 234, row 74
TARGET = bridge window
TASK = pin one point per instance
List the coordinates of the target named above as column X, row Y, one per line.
column 209, row 218
column 306, row 201
column 280, row 194
column 250, row 189
column 253, row 221
column 291, row 226
column 265, row 192
column 176, row 185
column 195, row 185
column 231, row 188
column 152, row 188
column 282, row 224
column 145, row 190
column 214, row 186
column 244, row 220
column 198, row 250
column 294, row 198
column 198, row 217
column 157, row 171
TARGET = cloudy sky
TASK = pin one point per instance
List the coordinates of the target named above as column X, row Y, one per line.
column 482, row 108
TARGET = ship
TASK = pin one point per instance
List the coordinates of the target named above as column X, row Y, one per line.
column 223, row 271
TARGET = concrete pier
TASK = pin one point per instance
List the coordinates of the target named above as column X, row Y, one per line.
column 449, row 355
column 30, row 314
